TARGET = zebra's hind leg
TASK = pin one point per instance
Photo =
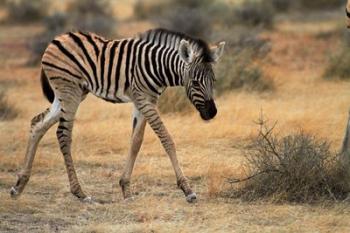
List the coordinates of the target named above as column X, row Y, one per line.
column 70, row 101
column 39, row 126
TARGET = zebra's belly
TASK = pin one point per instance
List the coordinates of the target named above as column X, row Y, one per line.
column 116, row 99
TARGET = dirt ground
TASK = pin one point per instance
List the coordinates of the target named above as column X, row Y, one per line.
column 208, row 152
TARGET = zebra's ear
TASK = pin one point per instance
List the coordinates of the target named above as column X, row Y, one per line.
column 217, row 51
column 185, row 51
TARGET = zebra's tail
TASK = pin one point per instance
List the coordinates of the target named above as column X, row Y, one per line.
column 47, row 90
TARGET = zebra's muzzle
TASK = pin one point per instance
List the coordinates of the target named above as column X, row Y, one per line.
column 209, row 110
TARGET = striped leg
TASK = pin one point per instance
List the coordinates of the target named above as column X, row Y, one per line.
column 151, row 114
column 70, row 102
column 138, row 124
column 39, row 126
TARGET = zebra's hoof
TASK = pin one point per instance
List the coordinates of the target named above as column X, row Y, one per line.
column 129, row 198
column 14, row 193
column 88, row 200
column 191, row 198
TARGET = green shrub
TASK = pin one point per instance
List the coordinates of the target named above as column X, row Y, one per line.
column 320, row 4
column 84, row 15
column 188, row 16
column 54, row 25
column 281, row 5
column 296, row 168
column 338, row 66
column 24, row 11
column 93, row 16
column 237, row 67
column 254, row 13
column 187, row 20
column 233, row 73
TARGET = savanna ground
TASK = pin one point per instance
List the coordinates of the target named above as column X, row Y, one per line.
column 208, row 152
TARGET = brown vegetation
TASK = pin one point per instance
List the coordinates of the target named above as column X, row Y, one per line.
column 294, row 168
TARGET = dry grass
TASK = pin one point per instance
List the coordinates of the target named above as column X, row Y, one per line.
column 174, row 100
column 298, row 168
column 207, row 152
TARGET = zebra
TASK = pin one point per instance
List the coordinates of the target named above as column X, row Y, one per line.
column 137, row 70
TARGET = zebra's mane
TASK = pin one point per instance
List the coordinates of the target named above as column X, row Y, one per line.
column 201, row 44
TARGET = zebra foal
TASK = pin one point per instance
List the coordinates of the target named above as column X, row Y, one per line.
column 133, row 70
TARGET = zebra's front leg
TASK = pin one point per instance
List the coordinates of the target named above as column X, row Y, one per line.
column 138, row 129
column 150, row 112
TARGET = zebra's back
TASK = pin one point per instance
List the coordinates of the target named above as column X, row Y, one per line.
column 103, row 67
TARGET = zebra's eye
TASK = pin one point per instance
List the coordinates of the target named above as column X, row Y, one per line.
column 195, row 83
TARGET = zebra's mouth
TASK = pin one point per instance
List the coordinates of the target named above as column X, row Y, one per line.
column 208, row 111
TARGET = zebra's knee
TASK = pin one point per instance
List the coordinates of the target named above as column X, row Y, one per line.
column 63, row 138
column 38, row 118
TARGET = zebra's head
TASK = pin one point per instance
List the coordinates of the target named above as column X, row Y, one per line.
column 199, row 75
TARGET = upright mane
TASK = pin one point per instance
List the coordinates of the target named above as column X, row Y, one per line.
column 201, row 44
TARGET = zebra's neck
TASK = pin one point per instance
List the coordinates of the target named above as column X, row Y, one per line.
column 162, row 63
column 171, row 67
